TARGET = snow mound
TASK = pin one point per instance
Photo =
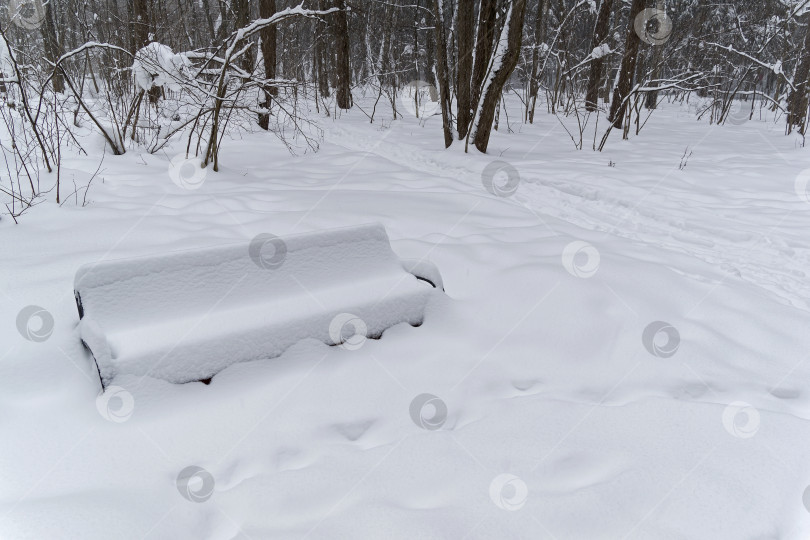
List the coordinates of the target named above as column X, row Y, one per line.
column 157, row 65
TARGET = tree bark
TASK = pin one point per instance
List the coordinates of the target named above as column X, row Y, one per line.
column 501, row 66
column 797, row 100
column 483, row 46
column 53, row 50
column 242, row 9
column 343, row 94
column 267, row 37
column 442, row 71
column 465, row 32
column 600, row 32
column 628, row 67
column 534, row 83
column 140, row 24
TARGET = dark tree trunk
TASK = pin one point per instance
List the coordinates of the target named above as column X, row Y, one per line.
column 501, row 70
column 797, row 100
column 320, row 56
column 600, row 32
column 534, row 82
column 140, row 24
column 651, row 100
column 53, row 50
column 267, row 36
column 242, row 9
column 628, row 68
column 442, row 71
column 483, row 46
column 343, row 93
column 465, row 31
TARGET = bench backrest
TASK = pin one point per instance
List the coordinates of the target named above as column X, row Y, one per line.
column 120, row 294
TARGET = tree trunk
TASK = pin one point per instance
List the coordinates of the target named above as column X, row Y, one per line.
column 483, row 46
column 465, row 31
column 242, row 9
column 534, row 82
column 343, row 93
column 797, row 101
column 600, row 32
column 651, row 100
column 267, row 37
column 442, row 71
column 628, row 68
column 53, row 49
column 501, row 66
column 140, row 24
column 320, row 56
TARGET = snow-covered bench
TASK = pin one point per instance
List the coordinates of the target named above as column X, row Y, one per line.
column 184, row 316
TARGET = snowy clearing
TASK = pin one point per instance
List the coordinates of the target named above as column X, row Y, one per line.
column 551, row 412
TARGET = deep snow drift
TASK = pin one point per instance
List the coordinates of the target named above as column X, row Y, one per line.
column 622, row 352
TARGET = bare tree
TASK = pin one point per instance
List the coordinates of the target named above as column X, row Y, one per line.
column 442, row 75
column 267, row 36
column 628, row 67
column 501, row 65
column 343, row 93
column 797, row 101
column 465, row 26
column 600, row 32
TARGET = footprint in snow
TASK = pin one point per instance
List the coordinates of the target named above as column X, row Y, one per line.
column 353, row 430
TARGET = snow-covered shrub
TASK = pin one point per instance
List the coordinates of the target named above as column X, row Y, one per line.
column 157, row 65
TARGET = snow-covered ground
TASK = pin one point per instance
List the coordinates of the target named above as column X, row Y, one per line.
column 558, row 406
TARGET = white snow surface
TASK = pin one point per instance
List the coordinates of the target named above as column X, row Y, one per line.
column 560, row 424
